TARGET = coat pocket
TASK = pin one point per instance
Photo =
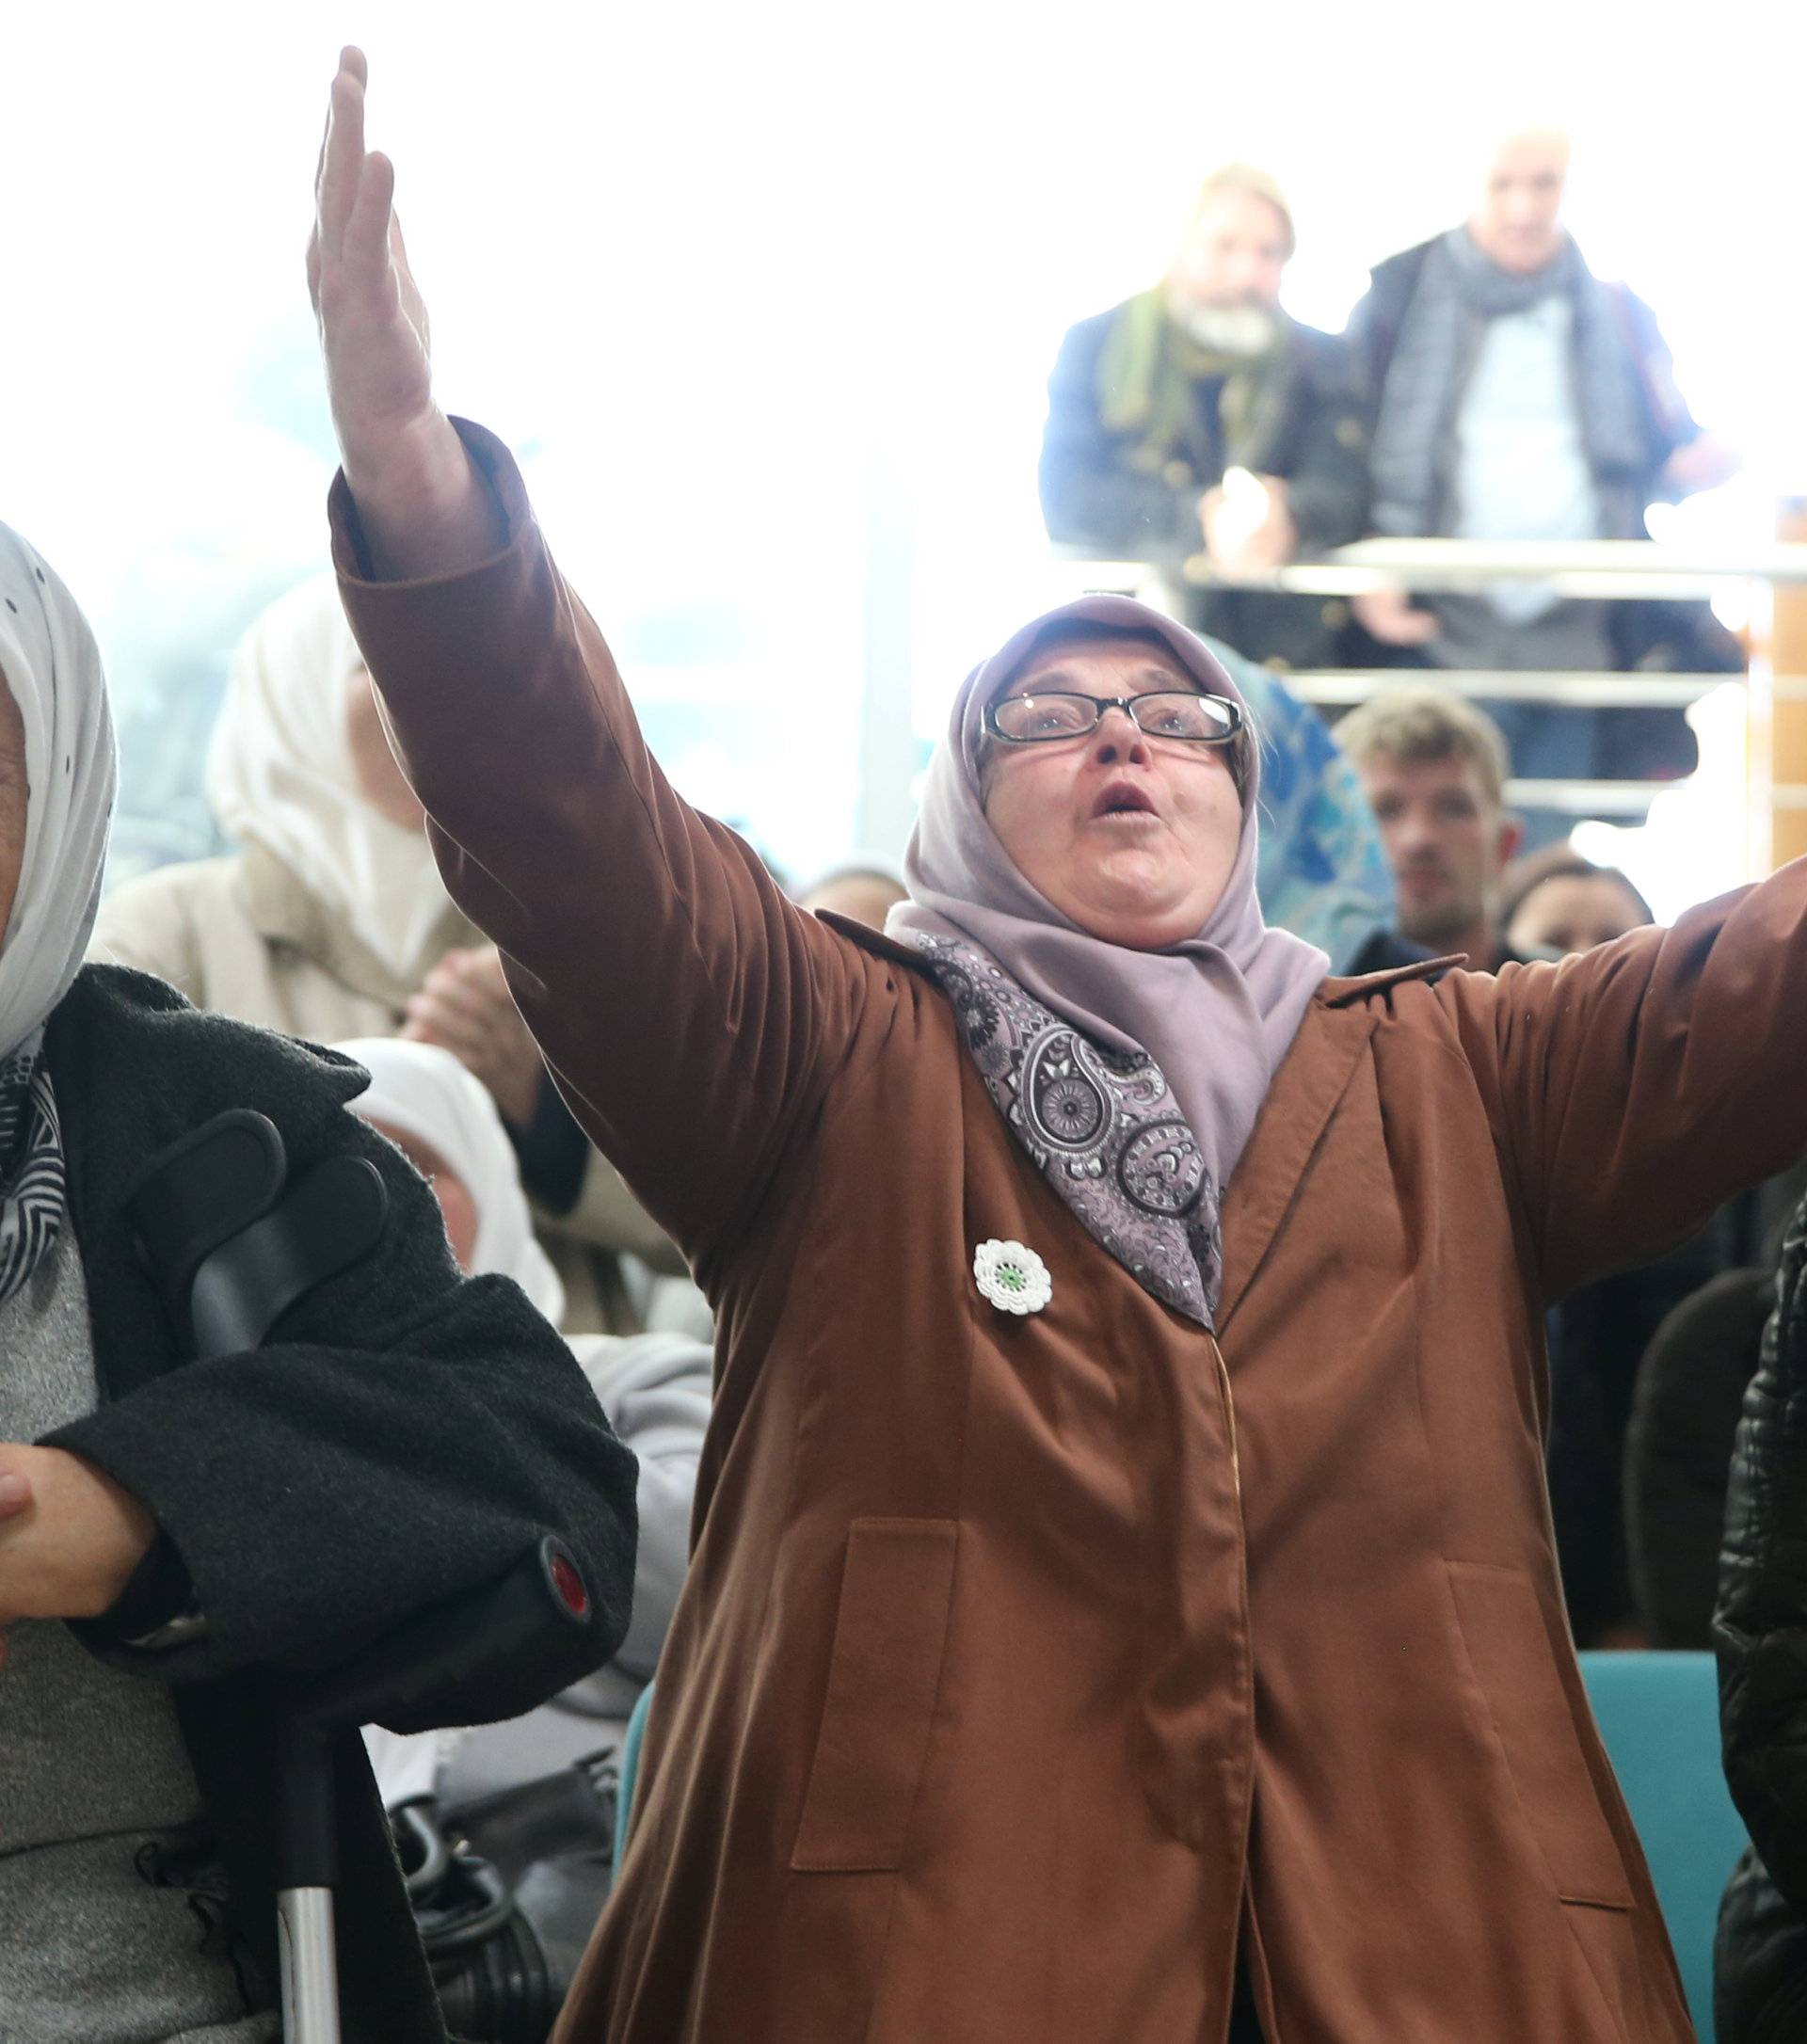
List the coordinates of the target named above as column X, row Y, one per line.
column 1510, row 1646
column 890, row 1631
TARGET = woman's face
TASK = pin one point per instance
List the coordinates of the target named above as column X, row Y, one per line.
column 1574, row 911
column 1132, row 838
column 13, row 795
column 373, row 764
column 454, row 1195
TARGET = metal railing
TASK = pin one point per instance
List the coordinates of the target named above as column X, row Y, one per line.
column 1602, row 569
column 1608, row 568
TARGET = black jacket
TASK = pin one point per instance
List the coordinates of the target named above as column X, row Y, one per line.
column 1092, row 496
column 1678, row 1451
column 405, row 1436
column 1760, row 1633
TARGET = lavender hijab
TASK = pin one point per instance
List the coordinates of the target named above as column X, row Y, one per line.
column 1166, row 1047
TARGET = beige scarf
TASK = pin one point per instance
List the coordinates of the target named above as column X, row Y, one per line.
column 279, row 776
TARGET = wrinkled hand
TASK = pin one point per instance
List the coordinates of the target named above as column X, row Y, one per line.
column 70, row 1536
column 465, row 1007
column 1247, row 522
column 1387, row 615
column 422, row 508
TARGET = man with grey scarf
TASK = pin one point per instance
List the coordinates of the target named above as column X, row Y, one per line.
column 1516, row 396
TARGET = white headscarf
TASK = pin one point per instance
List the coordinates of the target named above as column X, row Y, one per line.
column 53, row 667
column 426, row 1092
column 279, row 775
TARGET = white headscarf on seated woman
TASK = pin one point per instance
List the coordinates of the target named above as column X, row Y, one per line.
column 421, row 1091
column 281, row 774
column 52, row 671
column 53, row 668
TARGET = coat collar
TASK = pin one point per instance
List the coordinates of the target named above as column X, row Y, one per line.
column 1341, row 992
column 1305, row 1090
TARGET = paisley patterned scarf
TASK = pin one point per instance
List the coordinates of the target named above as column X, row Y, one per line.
column 1103, row 1130
column 1176, row 1047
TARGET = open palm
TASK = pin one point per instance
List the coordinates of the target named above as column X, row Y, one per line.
column 420, row 503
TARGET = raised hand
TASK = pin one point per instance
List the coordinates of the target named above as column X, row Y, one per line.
column 465, row 1007
column 425, row 511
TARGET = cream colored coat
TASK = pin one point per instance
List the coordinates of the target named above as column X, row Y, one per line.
column 243, row 936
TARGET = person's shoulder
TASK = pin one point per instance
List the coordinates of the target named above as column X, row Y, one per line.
column 159, row 917
column 875, row 944
column 1403, row 265
column 138, row 1043
column 1313, row 344
column 188, row 885
column 1087, row 336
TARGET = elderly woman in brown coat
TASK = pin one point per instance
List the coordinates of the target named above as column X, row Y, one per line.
column 1123, row 1603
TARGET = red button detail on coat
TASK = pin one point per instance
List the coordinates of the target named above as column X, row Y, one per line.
column 570, row 1585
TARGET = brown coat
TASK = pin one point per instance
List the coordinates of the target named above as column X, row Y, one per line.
column 1021, row 1660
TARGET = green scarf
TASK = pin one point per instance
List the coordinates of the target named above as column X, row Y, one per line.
column 1147, row 372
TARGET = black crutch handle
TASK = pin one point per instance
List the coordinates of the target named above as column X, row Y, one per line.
column 205, row 1187
column 332, row 1220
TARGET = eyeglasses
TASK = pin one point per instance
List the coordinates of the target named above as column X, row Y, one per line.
column 1033, row 720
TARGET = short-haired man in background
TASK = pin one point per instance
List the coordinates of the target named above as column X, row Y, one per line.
column 1435, row 768
column 1200, row 412
column 1515, row 395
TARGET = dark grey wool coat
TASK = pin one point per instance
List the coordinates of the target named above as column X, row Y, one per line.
column 407, row 1435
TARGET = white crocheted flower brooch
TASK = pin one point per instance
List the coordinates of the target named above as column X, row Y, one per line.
column 1014, row 1279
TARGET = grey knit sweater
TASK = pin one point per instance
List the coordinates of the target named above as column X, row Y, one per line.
column 97, row 1795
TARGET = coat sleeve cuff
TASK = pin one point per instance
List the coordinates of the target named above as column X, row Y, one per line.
column 157, row 1610
column 496, row 469
column 553, row 1151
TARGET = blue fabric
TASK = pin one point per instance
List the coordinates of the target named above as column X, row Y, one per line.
column 1659, row 1715
column 1322, row 873
column 630, row 1767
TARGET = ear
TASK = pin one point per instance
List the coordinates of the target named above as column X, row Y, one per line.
column 1512, row 835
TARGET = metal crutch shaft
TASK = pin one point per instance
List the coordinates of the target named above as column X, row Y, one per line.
column 307, row 1867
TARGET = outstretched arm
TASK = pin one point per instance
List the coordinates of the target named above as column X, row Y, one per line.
column 423, row 509
column 692, row 1016
column 1635, row 1087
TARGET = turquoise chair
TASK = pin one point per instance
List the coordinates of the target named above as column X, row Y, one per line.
column 1659, row 1717
column 630, row 1766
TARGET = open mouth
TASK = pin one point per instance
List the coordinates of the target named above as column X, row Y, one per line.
column 1122, row 798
